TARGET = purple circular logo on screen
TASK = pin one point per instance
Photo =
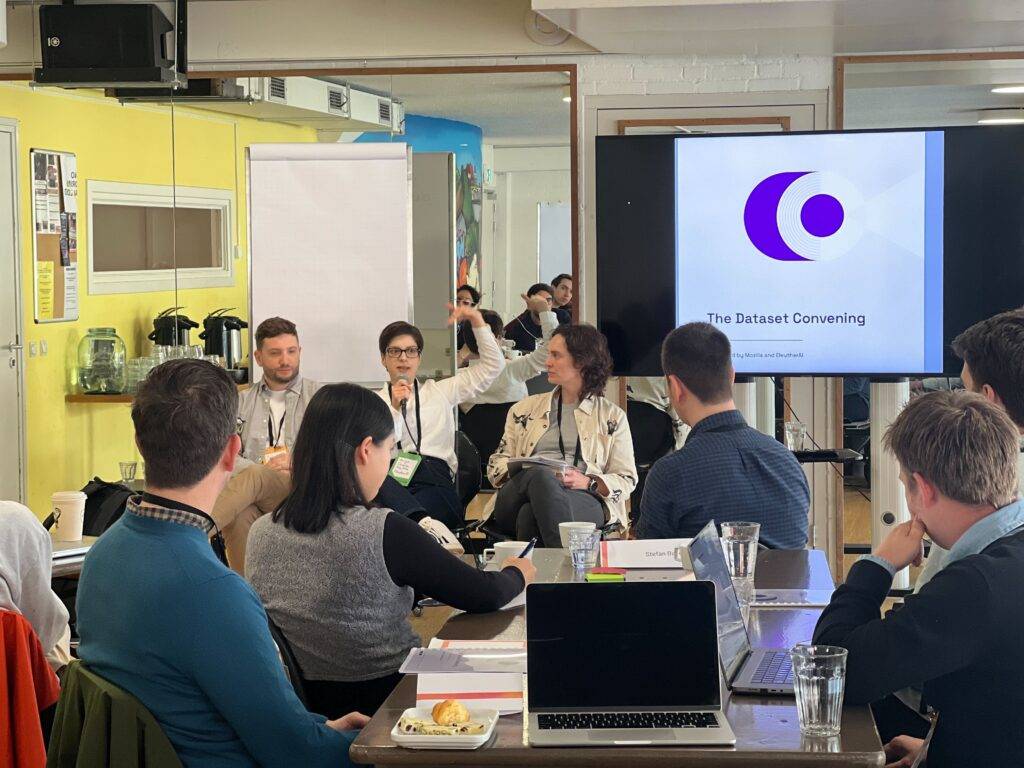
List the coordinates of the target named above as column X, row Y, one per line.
column 820, row 216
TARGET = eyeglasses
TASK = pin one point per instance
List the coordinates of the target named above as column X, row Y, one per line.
column 411, row 353
column 465, row 302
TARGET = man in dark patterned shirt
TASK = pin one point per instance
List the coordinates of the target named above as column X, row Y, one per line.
column 726, row 471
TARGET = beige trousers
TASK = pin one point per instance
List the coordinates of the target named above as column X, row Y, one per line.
column 252, row 493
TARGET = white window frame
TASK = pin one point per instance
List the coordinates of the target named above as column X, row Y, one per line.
column 163, row 196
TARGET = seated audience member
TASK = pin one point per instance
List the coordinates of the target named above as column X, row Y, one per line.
column 426, row 413
column 483, row 417
column 562, row 298
column 465, row 296
column 960, row 635
column 270, row 410
column 339, row 576
column 269, row 414
column 26, row 559
column 727, row 470
column 161, row 617
column 525, row 329
column 576, row 424
column 993, row 355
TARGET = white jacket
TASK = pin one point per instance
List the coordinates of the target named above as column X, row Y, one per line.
column 605, row 442
column 438, row 400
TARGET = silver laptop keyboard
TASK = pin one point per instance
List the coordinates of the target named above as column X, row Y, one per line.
column 774, row 668
column 575, row 721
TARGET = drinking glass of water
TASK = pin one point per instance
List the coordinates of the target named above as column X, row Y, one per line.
column 739, row 541
column 819, row 675
column 127, row 471
column 796, row 433
column 583, row 547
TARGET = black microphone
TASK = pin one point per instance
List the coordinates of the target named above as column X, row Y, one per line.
column 405, row 401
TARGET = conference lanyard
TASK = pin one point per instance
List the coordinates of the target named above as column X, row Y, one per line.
column 418, row 439
column 561, row 444
column 270, row 429
column 216, row 541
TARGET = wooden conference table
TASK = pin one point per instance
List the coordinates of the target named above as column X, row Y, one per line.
column 767, row 731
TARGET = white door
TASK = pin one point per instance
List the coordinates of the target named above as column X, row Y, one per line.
column 12, row 409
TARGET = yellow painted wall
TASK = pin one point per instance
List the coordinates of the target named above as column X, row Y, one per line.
column 69, row 443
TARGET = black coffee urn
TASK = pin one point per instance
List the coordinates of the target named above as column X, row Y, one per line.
column 171, row 329
column 223, row 336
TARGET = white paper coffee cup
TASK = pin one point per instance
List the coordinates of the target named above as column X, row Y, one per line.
column 564, row 528
column 68, row 515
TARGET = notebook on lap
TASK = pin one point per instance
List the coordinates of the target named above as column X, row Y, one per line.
column 624, row 663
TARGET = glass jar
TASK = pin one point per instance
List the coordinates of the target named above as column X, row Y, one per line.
column 101, row 362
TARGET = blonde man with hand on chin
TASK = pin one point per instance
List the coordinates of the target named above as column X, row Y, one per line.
column 959, row 636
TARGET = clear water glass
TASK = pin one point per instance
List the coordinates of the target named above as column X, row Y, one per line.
column 739, row 541
column 796, row 433
column 583, row 548
column 128, row 469
column 819, row 676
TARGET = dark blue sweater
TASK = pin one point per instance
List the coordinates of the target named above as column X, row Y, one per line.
column 161, row 617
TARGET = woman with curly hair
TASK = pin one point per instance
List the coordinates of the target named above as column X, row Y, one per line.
column 574, row 424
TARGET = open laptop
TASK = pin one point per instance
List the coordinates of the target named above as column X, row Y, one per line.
column 747, row 670
column 624, row 663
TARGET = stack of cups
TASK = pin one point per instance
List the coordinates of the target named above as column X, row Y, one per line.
column 68, row 515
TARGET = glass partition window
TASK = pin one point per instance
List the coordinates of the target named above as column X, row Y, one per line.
column 140, row 233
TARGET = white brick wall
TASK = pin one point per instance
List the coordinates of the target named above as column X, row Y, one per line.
column 607, row 75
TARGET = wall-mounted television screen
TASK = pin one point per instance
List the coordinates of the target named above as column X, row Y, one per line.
column 860, row 252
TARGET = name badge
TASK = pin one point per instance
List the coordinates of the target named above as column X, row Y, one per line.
column 272, row 451
column 404, row 467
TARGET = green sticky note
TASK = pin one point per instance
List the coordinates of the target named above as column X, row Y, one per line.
column 605, row 577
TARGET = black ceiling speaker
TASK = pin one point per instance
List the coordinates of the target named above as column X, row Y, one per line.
column 111, row 45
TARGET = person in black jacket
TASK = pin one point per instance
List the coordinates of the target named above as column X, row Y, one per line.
column 959, row 637
column 525, row 329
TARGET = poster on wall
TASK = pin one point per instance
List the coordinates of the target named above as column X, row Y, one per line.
column 468, row 203
column 54, row 236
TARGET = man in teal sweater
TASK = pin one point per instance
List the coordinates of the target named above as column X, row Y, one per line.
column 160, row 616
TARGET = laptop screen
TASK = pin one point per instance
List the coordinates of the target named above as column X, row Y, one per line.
column 708, row 562
column 622, row 644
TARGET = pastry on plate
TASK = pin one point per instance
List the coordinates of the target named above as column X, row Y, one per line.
column 450, row 712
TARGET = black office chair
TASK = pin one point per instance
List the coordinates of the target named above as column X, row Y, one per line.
column 484, row 425
column 470, row 469
column 291, row 664
column 468, row 484
column 653, row 437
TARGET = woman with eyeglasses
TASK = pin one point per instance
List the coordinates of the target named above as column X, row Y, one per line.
column 467, row 296
column 426, row 413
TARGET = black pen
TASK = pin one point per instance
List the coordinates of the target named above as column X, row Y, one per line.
column 529, row 547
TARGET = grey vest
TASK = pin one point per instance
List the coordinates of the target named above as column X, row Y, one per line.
column 332, row 596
